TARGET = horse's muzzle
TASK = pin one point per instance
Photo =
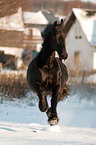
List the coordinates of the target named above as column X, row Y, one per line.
column 66, row 56
column 63, row 56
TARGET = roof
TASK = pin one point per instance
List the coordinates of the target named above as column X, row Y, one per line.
column 34, row 18
column 87, row 21
column 40, row 17
column 50, row 16
column 12, row 22
column 9, row 7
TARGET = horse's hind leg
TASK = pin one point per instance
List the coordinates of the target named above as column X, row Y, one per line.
column 43, row 105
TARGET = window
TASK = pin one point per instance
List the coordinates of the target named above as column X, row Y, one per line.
column 77, row 58
column 30, row 32
column 78, row 33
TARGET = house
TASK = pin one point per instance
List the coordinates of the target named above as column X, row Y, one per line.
column 80, row 27
column 20, row 34
column 7, row 60
column 34, row 24
column 11, row 37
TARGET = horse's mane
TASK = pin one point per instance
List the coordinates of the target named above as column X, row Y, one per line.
column 46, row 30
column 45, row 35
column 45, row 45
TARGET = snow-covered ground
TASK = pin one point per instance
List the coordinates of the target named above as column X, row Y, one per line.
column 21, row 123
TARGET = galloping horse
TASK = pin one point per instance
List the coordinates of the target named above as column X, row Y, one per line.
column 47, row 75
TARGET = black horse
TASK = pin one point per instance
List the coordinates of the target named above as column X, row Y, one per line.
column 47, row 74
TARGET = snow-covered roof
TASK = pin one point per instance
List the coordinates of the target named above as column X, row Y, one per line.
column 87, row 21
column 12, row 22
column 40, row 17
column 34, row 18
column 88, row 24
column 60, row 17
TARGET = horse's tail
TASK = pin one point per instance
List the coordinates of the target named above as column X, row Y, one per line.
column 65, row 92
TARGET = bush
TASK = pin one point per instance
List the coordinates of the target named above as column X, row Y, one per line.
column 13, row 85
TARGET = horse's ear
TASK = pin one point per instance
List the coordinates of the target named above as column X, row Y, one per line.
column 55, row 24
column 62, row 22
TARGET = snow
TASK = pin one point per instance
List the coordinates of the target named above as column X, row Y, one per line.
column 13, row 22
column 34, row 18
column 35, row 134
column 21, row 122
column 91, row 79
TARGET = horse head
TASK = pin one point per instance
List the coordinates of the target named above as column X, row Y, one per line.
column 57, row 40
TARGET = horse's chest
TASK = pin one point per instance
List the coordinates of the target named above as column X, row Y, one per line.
column 50, row 77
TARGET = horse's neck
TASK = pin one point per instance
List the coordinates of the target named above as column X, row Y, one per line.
column 46, row 57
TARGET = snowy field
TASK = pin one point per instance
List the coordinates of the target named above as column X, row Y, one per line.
column 21, row 123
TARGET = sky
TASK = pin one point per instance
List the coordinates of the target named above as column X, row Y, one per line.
column 94, row 1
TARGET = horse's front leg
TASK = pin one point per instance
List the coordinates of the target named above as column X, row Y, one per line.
column 43, row 105
column 53, row 109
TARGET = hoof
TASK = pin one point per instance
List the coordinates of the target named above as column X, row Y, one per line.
column 53, row 121
column 48, row 113
column 43, row 107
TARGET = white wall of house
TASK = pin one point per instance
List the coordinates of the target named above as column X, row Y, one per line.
column 94, row 60
column 17, row 52
column 13, row 22
column 35, row 31
column 79, row 45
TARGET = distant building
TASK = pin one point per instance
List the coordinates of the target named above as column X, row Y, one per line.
column 35, row 23
column 20, row 35
column 11, row 37
column 80, row 27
